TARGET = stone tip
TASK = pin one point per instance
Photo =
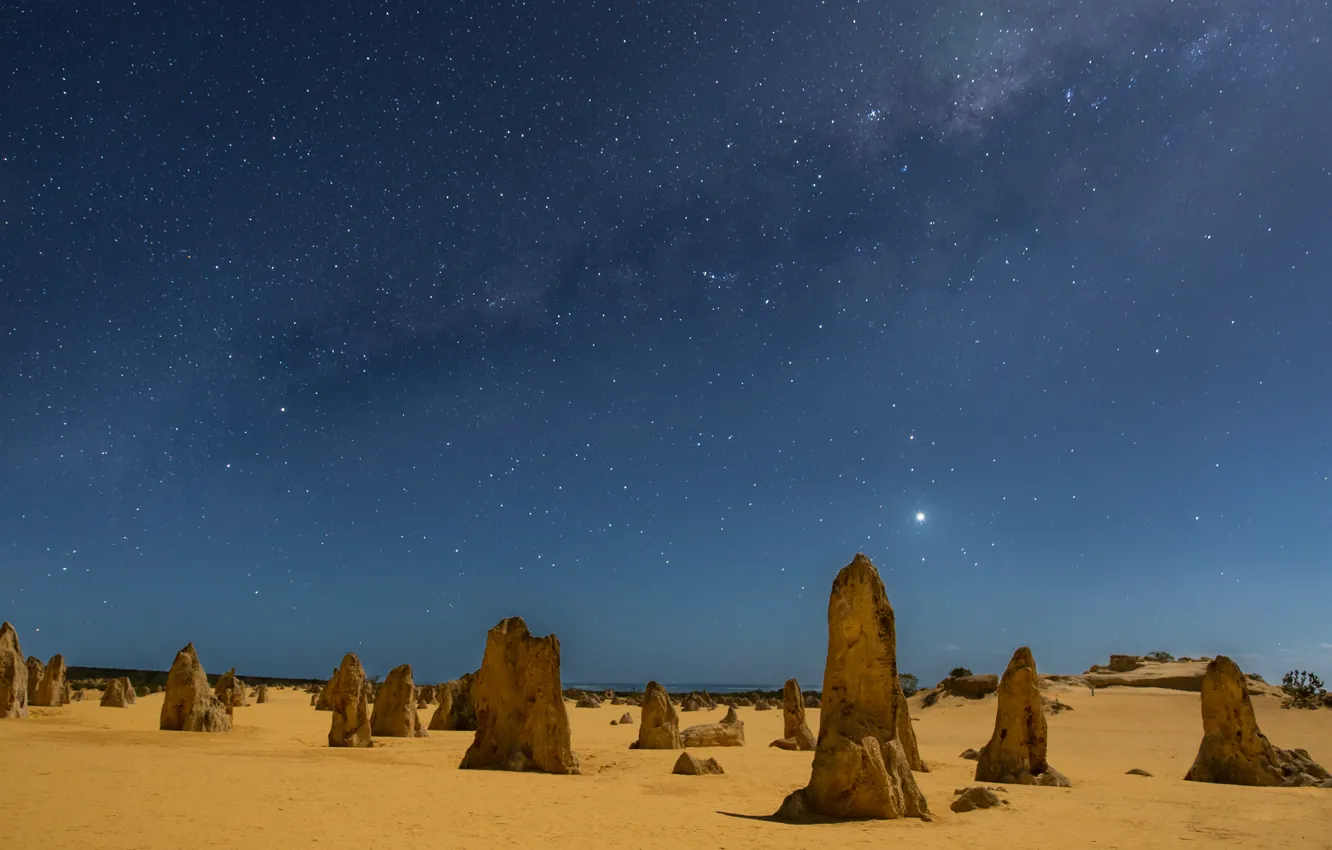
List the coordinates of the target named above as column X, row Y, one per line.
column 1022, row 657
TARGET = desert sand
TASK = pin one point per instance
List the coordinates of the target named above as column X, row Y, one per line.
column 85, row 776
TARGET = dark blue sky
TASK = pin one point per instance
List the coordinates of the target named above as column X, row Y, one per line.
column 359, row 327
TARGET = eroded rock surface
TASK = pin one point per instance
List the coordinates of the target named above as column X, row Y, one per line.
column 1016, row 752
column 324, row 702
column 795, row 731
column 1234, row 751
column 189, row 704
column 690, row 765
column 456, row 711
column 727, row 732
column 976, row 798
column 659, row 728
column 35, row 670
column 860, row 769
column 349, row 700
column 114, row 696
column 52, row 690
column 230, row 691
column 521, row 722
column 13, row 675
column 396, row 714
column 970, row 687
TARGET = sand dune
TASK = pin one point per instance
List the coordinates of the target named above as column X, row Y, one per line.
column 85, row 776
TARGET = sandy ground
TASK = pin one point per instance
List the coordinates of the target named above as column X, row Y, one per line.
column 85, row 776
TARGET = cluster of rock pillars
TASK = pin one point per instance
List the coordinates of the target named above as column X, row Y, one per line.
column 864, row 755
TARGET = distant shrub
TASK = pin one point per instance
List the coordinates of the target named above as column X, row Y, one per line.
column 1304, row 688
column 910, row 684
column 931, row 697
column 958, row 672
column 142, row 690
column 1158, row 655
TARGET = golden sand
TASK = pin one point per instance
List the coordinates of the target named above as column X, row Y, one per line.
column 90, row 777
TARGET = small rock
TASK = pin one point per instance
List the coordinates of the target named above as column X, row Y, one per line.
column 1137, row 771
column 969, row 754
column 588, row 701
column 970, row 799
column 690, row 765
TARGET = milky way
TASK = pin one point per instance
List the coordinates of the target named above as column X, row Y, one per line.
column 367, row 327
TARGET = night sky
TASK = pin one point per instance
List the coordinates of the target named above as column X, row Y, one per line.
column 358, row 327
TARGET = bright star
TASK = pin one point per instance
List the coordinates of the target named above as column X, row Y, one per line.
column 920, row 516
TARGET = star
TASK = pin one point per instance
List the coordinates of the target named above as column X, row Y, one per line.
column 920, row 516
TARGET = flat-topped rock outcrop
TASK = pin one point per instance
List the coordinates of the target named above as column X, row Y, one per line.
column 1130, row 671
column 727, row 732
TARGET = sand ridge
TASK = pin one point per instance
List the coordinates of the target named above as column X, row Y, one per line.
column 82, row 775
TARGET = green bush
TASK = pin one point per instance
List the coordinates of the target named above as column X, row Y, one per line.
column 1158, row 655
column 1304, row 688
column 910, row 684
column 958, row 672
